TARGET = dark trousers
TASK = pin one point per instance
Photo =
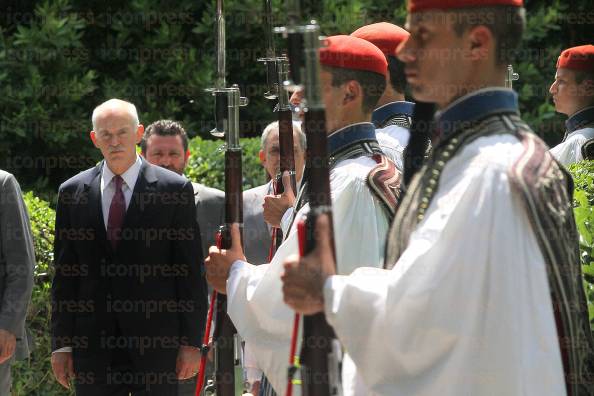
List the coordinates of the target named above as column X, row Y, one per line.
column 121, row 375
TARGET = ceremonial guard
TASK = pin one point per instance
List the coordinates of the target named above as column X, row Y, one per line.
column 393, row 113
column 352, row 71
column 482, row 290
column 573, row 95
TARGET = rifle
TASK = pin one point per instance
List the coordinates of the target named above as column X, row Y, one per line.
column 276, row 74
column 510, row 77
column 420, row 136
column 320, row 351
column 226, row 342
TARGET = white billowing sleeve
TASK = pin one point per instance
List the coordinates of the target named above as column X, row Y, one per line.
column 570, row 151
column 391, row 147
column 466, row 310
column 255, row 300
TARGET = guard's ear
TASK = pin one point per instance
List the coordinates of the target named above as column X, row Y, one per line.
column 589, row 88
column 352, row 91
column 480, row 41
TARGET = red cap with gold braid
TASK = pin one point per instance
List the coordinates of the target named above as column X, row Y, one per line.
column 577, row 58
column 347, row 52
column 422, row 5
column 386, row 36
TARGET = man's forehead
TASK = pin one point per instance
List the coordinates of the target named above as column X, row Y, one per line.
column 167, row 140
column 564, row 73
column 114, row 120
column 428, row 19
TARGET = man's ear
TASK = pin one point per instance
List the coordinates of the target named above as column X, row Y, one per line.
column 589, row 89
column 480, row 41
column 139, row 133
column 93, row 136
column 187, row 155
column 352, row 91
column 262, row 157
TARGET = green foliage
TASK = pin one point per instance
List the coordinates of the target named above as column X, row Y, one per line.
column 44, row 88
column 33, row 377
column 583, row 176
column 207, row 163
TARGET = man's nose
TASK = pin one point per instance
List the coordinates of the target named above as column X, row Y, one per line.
column 165, row 160
column 553, row 88
column 404, row 52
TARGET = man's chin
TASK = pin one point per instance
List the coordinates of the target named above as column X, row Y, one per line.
column 174, row 170
column 421, row 93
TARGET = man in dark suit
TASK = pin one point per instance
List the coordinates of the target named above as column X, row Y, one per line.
column 128, row 296
column 17, row 260
column 165, row 143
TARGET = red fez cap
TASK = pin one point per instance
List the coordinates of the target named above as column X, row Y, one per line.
column 577, row 58
column 386, row 36
column 421, row 5
column 349, row 52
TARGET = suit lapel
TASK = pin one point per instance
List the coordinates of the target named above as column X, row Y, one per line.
column 93, row 189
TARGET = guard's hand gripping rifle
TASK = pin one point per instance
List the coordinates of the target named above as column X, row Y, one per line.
column 277, row 70
column 320, row 351
column 228, row 379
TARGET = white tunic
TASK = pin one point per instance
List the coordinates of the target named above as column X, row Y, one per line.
column 255, row 301
column 570, row 150
column 392, row 140
column 466, row 310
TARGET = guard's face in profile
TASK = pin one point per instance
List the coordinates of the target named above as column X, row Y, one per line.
column 434, row 56
column 570, row 97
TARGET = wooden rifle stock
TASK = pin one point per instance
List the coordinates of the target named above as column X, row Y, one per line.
column 318, row 336
column 224, row 335
column 287, row 153
column 420, row 136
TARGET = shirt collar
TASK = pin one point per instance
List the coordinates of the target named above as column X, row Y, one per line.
column 130, row 175
column 350, row 134
column 385, row 112
column 580, row 119
column 474, row 107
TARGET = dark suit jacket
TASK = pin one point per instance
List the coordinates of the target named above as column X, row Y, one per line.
column 149, row 290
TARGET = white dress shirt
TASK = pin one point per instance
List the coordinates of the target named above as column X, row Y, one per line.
column 108, row 186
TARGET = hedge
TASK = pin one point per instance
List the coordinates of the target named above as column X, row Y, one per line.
column 33, row 377
column 583, row 177
column 207, row 163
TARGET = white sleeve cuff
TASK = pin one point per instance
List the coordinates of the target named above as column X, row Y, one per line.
column 252, row 375
column 65, row 349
